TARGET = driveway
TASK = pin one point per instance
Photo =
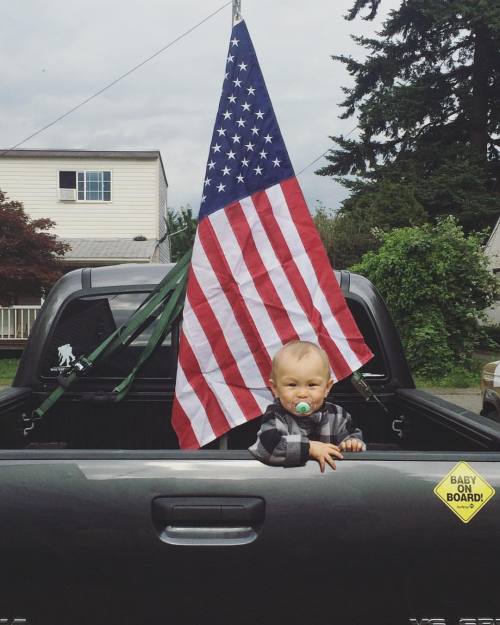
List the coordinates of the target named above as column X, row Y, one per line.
column 469, row 398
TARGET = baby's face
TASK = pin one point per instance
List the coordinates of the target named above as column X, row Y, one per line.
column 305, row 380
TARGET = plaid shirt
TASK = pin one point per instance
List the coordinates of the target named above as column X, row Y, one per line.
column 283, row 438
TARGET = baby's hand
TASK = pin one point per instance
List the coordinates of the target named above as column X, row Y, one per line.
column 323, row 452
column 351, row 444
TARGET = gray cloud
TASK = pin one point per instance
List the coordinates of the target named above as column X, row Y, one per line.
column 54, row 54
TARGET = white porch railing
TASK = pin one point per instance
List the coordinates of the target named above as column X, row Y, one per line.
column 16, row 322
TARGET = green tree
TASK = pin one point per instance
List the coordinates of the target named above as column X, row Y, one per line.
column 427, row 100
column 29, row 255
column 353, row 231
column 436, row 283
column 181, row 228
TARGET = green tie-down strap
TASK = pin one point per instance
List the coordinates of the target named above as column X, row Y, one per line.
column 165, row 304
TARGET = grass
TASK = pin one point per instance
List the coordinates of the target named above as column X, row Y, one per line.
column 8, row 368
column 460, row 377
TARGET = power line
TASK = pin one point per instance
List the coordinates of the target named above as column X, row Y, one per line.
column 324, row 153
column 111, row 84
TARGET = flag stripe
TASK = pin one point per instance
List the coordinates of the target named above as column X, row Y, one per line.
column 298, row 281
column 218, row 350
column 333, row 295
column 221, row 268
column 234, row 337
column 207, row 400
column 181, row 423
column 264, row 286
column 300, row 321
column 295, row 240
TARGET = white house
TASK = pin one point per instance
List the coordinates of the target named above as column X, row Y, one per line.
column 110, row 206
column 492, row 251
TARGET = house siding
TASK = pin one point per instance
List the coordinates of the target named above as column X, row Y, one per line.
column 164, row 247
column 134, row 189
column 492, row 252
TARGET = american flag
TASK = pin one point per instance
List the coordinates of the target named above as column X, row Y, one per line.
column 260, row 276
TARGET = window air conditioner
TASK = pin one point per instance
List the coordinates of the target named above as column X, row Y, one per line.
column 67, row 195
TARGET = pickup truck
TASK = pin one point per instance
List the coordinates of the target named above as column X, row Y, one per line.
column 105, row 521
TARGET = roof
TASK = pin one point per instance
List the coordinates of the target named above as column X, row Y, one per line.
column 109, row 250
column 117, row 154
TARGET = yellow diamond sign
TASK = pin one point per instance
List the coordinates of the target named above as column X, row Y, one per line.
column 464, row 491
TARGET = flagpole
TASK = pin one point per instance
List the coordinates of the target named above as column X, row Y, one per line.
column 236, row 11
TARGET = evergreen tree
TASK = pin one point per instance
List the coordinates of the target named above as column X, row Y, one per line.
column 427, row 99
column 181, row 228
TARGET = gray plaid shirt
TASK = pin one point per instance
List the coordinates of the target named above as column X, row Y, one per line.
column 283, row 438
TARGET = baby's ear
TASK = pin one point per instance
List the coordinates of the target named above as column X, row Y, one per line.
column 273, row 388
column 329, row 385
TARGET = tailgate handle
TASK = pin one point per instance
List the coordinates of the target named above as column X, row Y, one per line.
column 208, row 510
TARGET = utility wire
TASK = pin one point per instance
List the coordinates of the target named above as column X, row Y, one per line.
column 324, row 153
column 130, row 71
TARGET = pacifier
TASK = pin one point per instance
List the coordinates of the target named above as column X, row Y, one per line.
column 302, row 407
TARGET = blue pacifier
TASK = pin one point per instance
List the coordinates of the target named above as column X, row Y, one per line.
column 302, row 407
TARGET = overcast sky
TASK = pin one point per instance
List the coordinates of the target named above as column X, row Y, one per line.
column 56, row 53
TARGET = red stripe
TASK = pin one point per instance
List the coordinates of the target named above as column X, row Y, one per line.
column 340, row 366
column 204, row 393
column 322, row 268
column 260, row 275
column 182, row 426
column 225, row 360
column 221, row 269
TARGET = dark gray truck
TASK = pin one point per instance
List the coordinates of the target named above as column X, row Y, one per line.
column 103, row 520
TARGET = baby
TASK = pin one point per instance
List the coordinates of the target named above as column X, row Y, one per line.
column 300, row 424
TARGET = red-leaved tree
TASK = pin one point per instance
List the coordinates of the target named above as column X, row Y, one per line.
column 29, row 255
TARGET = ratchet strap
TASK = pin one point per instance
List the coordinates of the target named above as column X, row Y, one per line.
column 164, row 303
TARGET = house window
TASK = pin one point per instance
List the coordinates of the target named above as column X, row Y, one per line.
column 94, row 186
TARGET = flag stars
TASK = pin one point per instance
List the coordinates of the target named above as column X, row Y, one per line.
column 249, row 146
column 230, row 58
column 236, row 138
column 255, row 131
column 240, row 178
column 216, row 148
column 241, row 122
column 208, row 181
column 276, row 162
column 245, row 106
column 231, row 98
column 237, row 82
column 245, row 162
column 225, row 171
column 251, row 90
column 243, row 67
column 203, row 198
column 211, row 165
column 260, row 114
column 221, row 131
column 268, row 138
column 235, row 42
column 221, row 187
column 231, row 154
column 258, row 171
column 227, row 115
column 263, row 154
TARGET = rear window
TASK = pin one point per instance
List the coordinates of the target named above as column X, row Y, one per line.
column 86, row 322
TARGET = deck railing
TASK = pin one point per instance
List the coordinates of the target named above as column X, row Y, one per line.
column 16, row 322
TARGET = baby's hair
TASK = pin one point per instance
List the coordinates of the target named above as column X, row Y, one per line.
column 298, row 349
